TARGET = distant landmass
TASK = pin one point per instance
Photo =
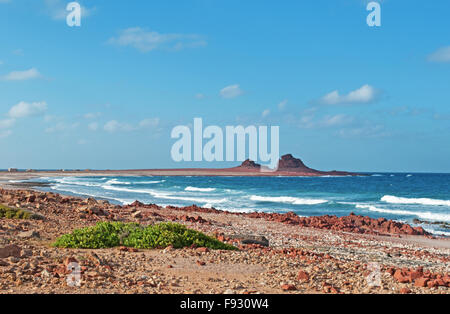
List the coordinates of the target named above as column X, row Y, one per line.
column 288, row 165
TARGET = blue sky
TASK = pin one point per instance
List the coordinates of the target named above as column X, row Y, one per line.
column 106, row 95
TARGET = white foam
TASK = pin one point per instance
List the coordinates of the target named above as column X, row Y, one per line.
column 437, row 232
column 194, row 189
column 419, row 201
column 115, row 181
column 165, row 195
column 149, row 182
column 288, row 200
column 74, row 181
column 422, row 215
column 61, row 188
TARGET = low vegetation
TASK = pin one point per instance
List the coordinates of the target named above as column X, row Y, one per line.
column 15, row 213
column 112, row 234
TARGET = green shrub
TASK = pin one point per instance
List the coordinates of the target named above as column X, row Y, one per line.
column 112, row 234
column 14, row 213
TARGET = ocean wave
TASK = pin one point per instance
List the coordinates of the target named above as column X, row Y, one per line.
column 194, row 189
column 437, row 232
column 75, row 181
column 419, row 201
column 422, row 215
column 165, row 195
column 287, row 200
column 63, row 188
column 149, row 182
column 115, row 181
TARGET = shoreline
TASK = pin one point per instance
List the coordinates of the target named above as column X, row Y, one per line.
column 5, row 182
column 334, row 261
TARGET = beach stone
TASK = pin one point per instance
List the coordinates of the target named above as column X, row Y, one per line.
column 421, row 282
column 29, row 234
column 288, row 287
column 250, row 239
column 303, row 276
column 10, row 250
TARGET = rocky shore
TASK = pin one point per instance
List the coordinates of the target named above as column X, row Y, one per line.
column 278, row 253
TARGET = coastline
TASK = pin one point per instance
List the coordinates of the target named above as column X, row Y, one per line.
column 334, row 261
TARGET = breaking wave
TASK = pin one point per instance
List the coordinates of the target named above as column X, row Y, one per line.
column 194, row 189
column 422, row 215
column 419, row 201
column 287, row 200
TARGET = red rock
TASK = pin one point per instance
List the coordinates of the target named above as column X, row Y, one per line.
column 203, row 250
column 421, row 282
column 303, row 276
column 405, row 291
column 400, row 276
column 432, row 284
column 200, row 263
column 415, row 275
column 288, row 288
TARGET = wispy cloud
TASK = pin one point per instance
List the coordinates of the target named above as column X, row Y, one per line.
column 363, row 95
column 442, row 55
column 22, row 75
column 231, row 91
column 147, row 40
column 282, row 105
column 7, row 123
column 265, row 113
column 310, row 121
column 62, row 127
column 116, row 126
column 24, row 109
column 367, row 131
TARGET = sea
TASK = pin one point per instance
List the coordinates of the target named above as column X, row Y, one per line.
column 403, row 197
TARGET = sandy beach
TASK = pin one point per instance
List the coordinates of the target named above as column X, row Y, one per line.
column 278, row 253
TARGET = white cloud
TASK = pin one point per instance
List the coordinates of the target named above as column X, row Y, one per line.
column 7, row 123
column 22, row 75
column 282, row 105
column 146, row 40
column 364, row 95
column 93, row 126
column 149, row 123
column 368, row 131
column 61, row 127
column 92, row 115
column 114, row 125
column 24, row 109
column 265, row 113
column 231, row 91
column 309, row 121
column 441, row 55
column 200, row 96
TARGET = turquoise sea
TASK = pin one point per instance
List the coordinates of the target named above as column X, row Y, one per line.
column 399, row 196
